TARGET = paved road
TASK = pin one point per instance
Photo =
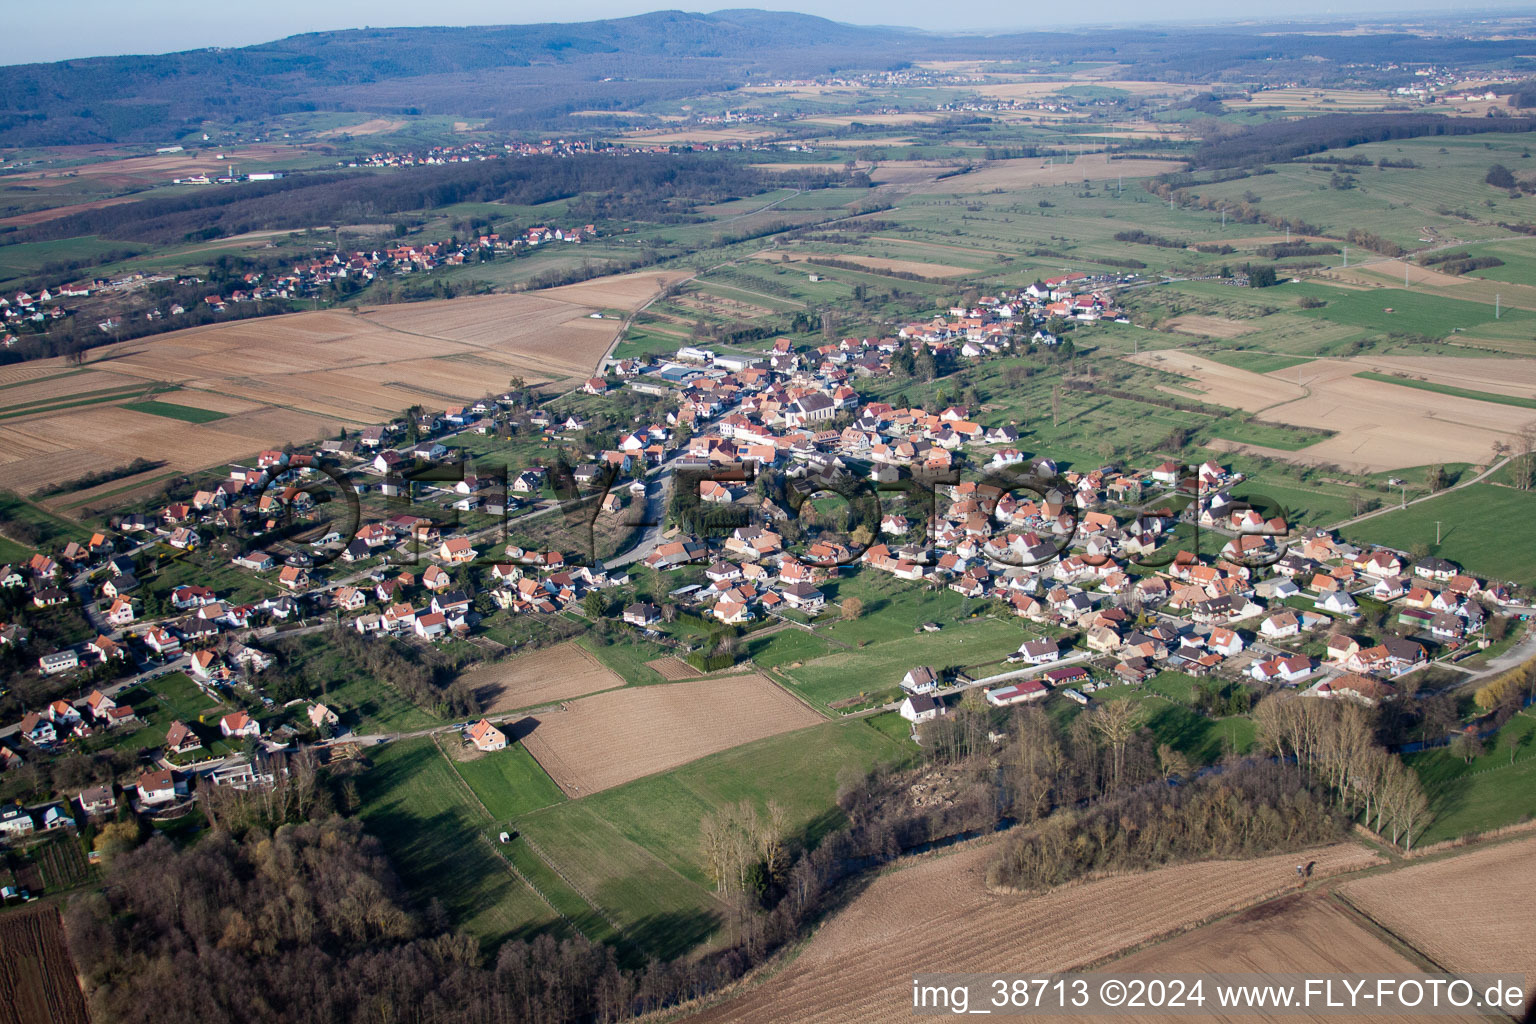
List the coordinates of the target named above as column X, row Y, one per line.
column 1427, row 497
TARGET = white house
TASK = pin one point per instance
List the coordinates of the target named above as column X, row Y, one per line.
column 921, row 707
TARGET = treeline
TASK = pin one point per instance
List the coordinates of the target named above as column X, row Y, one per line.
column 1146, row 238
column 660, row 188
column 1374, row 242
column 1244, row 809
column 1277, row 141
column 1336, row 741
column 101, row 476
column 1288, row 250
column 1460, row 262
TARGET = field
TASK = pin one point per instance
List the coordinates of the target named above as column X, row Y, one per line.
column 433, row 828
column 37, row 974
column 634, row 850
column 1023, row 173
column 508, row 782
column 293, row 378
column 1296, row 933
column 1492, row 791
column 1379, row 425
column 608, row 739
column 1467, row 912
column 1210, row 326
column 859, row 965
column 1476, row 530
column 543, row 677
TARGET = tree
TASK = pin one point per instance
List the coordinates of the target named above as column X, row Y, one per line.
column 594, row 605
column 1434, row 477
column 1116, row 721
column 1171, row 763
column 116, row 838
column 1468, row 745
column 862, row 536
column 1513, row 740
column 852, row 608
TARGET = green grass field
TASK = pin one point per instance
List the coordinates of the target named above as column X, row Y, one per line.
column 1486, row 794
column 1257, row 362
column 635, row 848
column 1484, row 528
column 433, row 829
column 185, row 413
column 1412, row 312
column 508, row 782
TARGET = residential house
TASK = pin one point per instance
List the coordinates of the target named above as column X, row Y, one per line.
column 486, row 737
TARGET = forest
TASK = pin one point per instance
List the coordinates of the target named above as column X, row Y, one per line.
column 1277, row 141
column 659, row 188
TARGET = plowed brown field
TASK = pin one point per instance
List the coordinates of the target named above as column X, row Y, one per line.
column 611, row 738
column 37, row 974
column 542, row 677
column 938, row 916
column 1469, row 913
column 1301, row 933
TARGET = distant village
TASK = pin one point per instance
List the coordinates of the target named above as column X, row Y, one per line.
column 1093, row 560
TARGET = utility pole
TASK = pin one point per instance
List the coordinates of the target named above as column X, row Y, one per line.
column 1495, row 305
column 1346, row 256
column 1223, row 220
column 1405, row 273
column 1437, row 533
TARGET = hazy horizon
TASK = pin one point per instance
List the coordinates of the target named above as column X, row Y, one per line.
column 95, row 28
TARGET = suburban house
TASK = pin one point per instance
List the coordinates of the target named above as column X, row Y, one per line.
column 179, row 739
column 486, row 736
column 157, row 788
column 238, row 723
column 97, row 801
column 642, row 614
column 920, row 680
column 921, row 707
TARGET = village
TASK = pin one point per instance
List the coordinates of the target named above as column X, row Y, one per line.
column 729, row 486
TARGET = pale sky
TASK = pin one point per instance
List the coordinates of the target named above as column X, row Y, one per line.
column 50, row 31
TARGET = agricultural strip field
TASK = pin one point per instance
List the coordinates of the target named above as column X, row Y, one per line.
column 543, row 677
column 602, row 741
column 296, row 377
column 185, row 413
column 1446, row 389
column 851, row 969
column 432, row 826
column 37, row 974
column 1377, row 425
column 1468, row 912
column 1484, row 528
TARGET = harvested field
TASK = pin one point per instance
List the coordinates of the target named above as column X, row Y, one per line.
column 298, row 377
column 1221, row 384
column 37, row 974
column 1010, row 174
column 1469, row 912
column 1379, row 426
column 601, row 741
column 859, row 965
column 1296, row 933
column 542, row 677
column 623, row 291
column 1211, row 326
column 673, row 669
column 31, row 217
column 1515, row 377
column 873, row 263
column 669, row 137
column 372, row 126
